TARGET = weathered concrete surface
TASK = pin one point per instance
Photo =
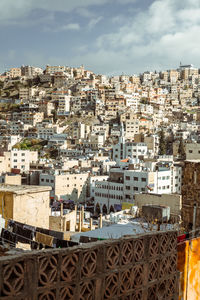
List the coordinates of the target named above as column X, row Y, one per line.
column 191, row 194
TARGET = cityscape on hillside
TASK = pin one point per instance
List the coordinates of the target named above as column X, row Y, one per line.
column 87, row 157
column 99, row 150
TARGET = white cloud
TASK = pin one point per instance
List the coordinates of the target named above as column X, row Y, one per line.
column 60, row 28
column 160, row 37
column 16, row 9
column 93, row 22
column 70, row 26
column 85, row 12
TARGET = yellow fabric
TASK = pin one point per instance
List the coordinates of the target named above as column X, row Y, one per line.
column 44, row 239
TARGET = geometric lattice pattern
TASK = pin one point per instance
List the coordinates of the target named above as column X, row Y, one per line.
column 134, row 267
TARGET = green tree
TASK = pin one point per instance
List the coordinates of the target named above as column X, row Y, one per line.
column 162, row 143
column 181, row 149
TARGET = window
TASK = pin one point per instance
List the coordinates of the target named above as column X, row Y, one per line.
column 15, row 160
column 143, row 189
column 190, row 151
column 135, row 188
column 15, row 154
column 128, row 187
column 135, row 178
column 127, row 177
column 42, row 179
column 23, row 154
column 143, row 179
column 47, row 180
column 23, row 160
column 52, row 180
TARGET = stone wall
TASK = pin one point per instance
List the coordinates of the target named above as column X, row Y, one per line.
column 191, row 194
column 174, row 201
column 136, row 267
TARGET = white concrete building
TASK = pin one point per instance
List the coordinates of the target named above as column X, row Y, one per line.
column 123, row 184
column 124, row 150
column 46, row 131
column 93, row 180
column 21, row 159
column 63, row 105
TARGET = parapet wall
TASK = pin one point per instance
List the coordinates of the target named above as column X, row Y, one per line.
column 135, row 267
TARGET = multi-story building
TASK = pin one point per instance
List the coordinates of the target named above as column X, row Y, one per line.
column 93, row 180
column 31, row 118
column 47, row 108
column 66, row 186
column 26, row 93
column 21, row 159
column 46, row 131
column 30, row 71
column 54, row 69
column 192, row 151
column 125, row 149
column 18, row 128
column 15, row 72
column 124, row 183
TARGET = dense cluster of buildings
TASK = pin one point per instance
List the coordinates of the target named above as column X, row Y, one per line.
column 115, row 148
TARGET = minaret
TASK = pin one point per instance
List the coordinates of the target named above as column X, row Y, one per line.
column 122, row 142
column 122, row 137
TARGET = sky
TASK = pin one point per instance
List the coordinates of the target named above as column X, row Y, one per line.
column 106, row 36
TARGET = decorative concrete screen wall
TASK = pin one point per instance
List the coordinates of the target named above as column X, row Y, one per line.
column 134, row 267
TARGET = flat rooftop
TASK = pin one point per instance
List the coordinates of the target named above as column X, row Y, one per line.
column 23, row 189
column 116, row 231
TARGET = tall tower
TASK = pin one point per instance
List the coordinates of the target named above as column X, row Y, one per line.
column 122, row 134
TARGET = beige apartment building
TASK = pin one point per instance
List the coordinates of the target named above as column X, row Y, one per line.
column 115, row 104
column 192, row 151
column 21, row 159
column 66, row 186
column 54, row 69
column 5, row 164
column 25, row 204
column 173, row 76
column 26, row 93
column 31, row 118
column 15, row 72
